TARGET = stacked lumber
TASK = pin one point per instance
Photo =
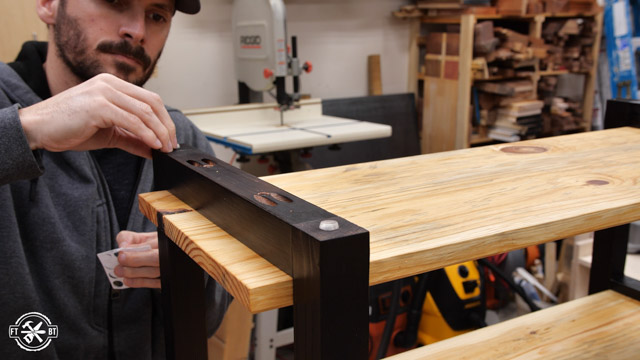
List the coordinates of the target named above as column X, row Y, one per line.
column 507, row 88
column 507, row 53
column 517, row 121
column 564, row 113
column 569, row 43
column 512, row 7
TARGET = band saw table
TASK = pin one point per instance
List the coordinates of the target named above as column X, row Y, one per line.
column 257, row 128
column 396, row 218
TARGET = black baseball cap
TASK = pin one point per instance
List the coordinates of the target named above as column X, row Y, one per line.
column 188, row 6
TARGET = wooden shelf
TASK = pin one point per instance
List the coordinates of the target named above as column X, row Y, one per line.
column 515, row 77
column 477, row 140
column 603, row 325
column 409, row 238
column 553, row 72
column 560, row 72
column 527, row 17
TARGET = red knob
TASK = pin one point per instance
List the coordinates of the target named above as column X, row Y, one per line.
column 267, row 73
column 308, row 67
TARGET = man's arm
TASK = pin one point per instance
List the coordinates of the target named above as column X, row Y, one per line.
column 17, row 161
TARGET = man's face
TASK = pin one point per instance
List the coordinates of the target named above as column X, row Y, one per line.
column 121, row 37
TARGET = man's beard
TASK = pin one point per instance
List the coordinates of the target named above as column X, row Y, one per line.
column 71, row 47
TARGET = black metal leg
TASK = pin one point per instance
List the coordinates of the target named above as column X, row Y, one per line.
column 183, row 301
column 608, row 261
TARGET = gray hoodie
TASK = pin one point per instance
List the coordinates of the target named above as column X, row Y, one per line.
column 56, row 214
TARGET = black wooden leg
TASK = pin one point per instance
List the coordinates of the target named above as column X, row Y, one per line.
column 331, row 297
column 183, row 301
column 608, row 261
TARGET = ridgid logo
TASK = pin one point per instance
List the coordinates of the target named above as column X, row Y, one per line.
column 251, row 41
column 33, row 331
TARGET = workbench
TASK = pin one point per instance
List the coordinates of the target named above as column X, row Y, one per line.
column 429, row 211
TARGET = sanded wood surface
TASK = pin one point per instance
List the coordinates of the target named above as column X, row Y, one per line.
column 600, row 326
column 430, row 211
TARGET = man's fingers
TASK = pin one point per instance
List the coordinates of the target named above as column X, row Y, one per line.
column 132, row 144
column 150, row 272
column 150, row 108
column 138, row 122
column 127, row 238
column 142, row 283
column 139, row 259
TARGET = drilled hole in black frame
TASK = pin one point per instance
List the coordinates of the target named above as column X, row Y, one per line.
column 263, row 199
column 281, row 198
column 208, row 163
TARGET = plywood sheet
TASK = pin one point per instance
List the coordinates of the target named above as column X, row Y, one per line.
column 439, row 115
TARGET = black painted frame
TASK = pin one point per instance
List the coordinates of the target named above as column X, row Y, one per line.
column 610, row 245
column 330, row 269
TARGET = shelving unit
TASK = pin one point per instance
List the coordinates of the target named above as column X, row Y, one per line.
column 445, row 97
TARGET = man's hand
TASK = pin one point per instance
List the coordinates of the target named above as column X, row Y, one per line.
column 139, row 269
column 103, row 112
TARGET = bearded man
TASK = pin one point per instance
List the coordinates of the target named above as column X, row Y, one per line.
column 77, row 132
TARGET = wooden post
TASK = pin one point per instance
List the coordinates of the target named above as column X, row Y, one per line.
column 590, row 84
column 463, row 126
column 375, row 76
column 414, row 52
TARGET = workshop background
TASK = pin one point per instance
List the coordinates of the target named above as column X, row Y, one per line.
column 551, row 78
column 335, row 35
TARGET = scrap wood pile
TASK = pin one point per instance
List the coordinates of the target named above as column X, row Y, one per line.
column 569, row 43
column 421, row 8
column 566, row 44
column 503, row 52
column 511, row 110
column 562, row 97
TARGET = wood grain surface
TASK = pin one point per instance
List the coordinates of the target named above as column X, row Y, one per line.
column 600, row 326
column 430, row 211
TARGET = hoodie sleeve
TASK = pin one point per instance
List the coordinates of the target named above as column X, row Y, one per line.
column 17, row 160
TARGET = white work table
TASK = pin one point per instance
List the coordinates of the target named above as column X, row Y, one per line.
column 256, row 128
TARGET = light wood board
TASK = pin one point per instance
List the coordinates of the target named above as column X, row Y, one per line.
column 430, row 211
column 600, row 326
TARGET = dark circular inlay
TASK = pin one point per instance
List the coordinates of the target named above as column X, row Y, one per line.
column 523, row 149
column 597, row 182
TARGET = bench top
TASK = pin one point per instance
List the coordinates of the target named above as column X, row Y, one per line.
column 429, row 211
column 600, row 326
